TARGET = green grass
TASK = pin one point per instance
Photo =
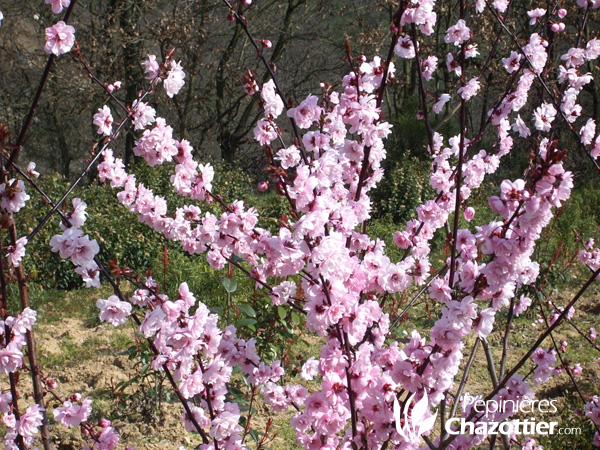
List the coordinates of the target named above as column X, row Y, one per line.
column 72, row 353
column 53, row 305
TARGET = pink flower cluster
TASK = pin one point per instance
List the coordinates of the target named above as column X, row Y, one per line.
column 590, row 256
column 345, row 276
column 26, row 426
column 342, row 129
column 11, row 357
column 79, row 247
column 173, row 82
column 71, row 415
column 545, row 361
column 13, row 195
column 12, row 339
column 74, row 412
column 201, row 357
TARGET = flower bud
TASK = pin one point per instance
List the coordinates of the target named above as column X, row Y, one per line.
column 104, row 423
column 469, row 213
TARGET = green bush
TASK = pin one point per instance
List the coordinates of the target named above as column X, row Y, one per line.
column 405, row 186
column 118, row 233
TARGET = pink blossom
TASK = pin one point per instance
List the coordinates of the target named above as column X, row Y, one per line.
column 72, row 415
column 522, row 305
column 453, row 65
column 58, row 5
column 405, row 47
column 23, row 322
column 469, row 213
column 372, row 74
column 310, row 369
column 17, row 252
column 77, row 215
column 511, row 64
column 592, row 49
column 587, row 132
column 536, row 52
column 59, row 38
column 114, row 86
column 429, row 66
column 458, row 34
column 64, row 243
column 273, row 104
column 142, row 115
column 440, row 291
column 485, row 323
column 90, row 274
column 113, row 310
column 108, row 439
column 29, row 422
column 592, row 409
column 471, row 51
column 199, row 416
column 31, row 170
column 283, row 292
column 264, row 132
column 575, row 57
column 501, row 5
column 595, row 152
column 544, row 116
column 288, row 157
column 174, row 81
column 469, row 90
column 535, row 14
column 307, row 112
column 157, row 146
column 439, row 104
column 151, row 67
column 13, row 195
column 83, row 250
column 544, row 358
column 520, row 127
column 10, row 359
column 104, row 120
column 9, row 420
column 226, row 423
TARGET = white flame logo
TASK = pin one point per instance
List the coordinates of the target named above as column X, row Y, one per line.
column 409, row 430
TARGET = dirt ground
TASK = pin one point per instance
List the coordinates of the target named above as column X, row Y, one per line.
column 102, row 369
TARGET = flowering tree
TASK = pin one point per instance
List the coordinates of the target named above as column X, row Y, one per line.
column 325, row 157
